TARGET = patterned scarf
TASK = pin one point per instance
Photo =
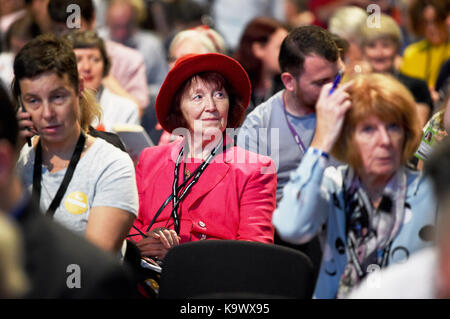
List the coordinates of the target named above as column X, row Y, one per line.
column 370, row 231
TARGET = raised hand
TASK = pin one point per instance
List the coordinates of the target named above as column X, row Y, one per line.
column 330, row 113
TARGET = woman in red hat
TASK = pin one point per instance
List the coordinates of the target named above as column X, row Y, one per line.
column 203, row 187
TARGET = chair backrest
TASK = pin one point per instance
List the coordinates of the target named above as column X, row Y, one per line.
column 235, row 269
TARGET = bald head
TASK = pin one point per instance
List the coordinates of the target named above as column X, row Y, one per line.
column 121, row 19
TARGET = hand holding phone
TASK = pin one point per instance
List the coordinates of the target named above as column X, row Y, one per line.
column 25, row 124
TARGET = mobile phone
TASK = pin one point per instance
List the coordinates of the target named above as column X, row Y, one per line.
column 23, row 110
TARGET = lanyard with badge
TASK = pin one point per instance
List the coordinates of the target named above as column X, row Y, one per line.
column 37, row 174
column 179, row 192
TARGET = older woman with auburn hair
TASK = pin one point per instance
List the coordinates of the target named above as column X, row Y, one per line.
column 372, row 212
column 202, row 186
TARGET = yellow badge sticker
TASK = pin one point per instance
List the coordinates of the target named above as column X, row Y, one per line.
column 76, row 203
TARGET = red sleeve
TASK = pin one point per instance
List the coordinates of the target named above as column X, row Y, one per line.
column 258, row 203
column 139, row 221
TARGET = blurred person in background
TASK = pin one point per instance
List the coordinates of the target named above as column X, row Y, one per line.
column 424, row 59
column 346, row 22
column 127, row 74
column 258, row 52
column 380, row 47
column 297, row 13
column 231, row 16
column 19, row 33
column 323, row 10
column 93, row 65
column 122, row 21
column 10, row 11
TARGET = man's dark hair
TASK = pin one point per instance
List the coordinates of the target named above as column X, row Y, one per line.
column 441, row 8
column 24, row 28
column 437, row 167
column 9, row 129
column 57, row 10
column 46, row 53
column 303, row 41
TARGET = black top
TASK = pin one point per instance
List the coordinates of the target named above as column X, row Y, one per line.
column 417, row 87
column 111, row 138
column 50, row 250
column 443, row 79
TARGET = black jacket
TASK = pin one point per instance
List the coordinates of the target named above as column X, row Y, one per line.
column 54, row 255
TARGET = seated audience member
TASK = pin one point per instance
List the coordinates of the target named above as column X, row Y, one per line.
column 52, row 255
column 424, row 59
column 93, row 67
column 297, row 13
column 198, row 40
column 10, row 11
column 202, row 187
column 323, row 10
column 283, row 126
column 20, row 32
column 380, row 47
column 231, row 16
column 201, row 39
column 127, row 75
column 346, row 22
column 372, row 212
column 122, row 20
column 426, row 275
column 443, row 79
column 258, row 52
column 83, row 182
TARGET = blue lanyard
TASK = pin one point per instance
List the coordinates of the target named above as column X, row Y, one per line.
column 294, row 133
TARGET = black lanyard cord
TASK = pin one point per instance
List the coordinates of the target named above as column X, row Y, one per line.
column 193, row 178
column 37, row 174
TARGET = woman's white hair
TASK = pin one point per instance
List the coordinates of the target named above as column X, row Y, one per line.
column 209, row 38
column 346, row 22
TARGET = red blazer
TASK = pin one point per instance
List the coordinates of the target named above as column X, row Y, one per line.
column 234, row 198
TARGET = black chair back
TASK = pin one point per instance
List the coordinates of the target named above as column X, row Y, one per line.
column 235, row 269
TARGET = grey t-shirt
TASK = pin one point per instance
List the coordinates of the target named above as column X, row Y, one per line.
column 104, row 176
column 266, row 132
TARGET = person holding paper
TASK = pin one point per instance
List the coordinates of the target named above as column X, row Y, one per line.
column 372, row 212
column 203, row 187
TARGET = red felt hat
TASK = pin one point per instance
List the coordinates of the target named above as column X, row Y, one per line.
column 191, row 64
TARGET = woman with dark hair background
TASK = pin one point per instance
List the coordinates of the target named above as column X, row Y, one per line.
column 258, row 53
